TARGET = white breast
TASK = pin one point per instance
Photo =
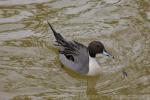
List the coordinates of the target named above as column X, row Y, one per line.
column 94, row 68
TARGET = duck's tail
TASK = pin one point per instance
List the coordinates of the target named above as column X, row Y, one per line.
column 58, row 37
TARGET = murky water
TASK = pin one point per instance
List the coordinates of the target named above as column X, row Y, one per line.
column 29, row 65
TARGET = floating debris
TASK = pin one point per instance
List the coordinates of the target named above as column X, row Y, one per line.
column 124, row 73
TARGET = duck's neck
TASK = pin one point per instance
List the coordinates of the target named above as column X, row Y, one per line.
column 94, row 67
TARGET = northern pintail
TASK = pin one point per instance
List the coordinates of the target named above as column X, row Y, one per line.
column 78, row 57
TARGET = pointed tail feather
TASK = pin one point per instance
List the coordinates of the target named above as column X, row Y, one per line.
column 58, row 37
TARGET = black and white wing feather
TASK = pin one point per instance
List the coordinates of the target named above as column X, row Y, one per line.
column 67, row 47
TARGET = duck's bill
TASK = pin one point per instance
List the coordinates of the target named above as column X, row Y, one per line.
column 107, row 54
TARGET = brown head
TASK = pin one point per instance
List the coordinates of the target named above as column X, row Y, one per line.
column 96, row 47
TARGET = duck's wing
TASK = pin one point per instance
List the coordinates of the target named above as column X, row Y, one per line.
column 72, row 54
column 76, row 57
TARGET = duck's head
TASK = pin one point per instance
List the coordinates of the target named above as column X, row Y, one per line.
column 96, row 47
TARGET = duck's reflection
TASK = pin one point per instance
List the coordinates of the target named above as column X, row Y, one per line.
column 91, row 83
column 91, row 80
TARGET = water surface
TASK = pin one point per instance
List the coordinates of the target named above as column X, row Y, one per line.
column 29, row 65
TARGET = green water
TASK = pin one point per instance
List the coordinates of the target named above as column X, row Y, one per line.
column 29, row 64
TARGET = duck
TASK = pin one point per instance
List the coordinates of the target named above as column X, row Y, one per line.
column 78, row 57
